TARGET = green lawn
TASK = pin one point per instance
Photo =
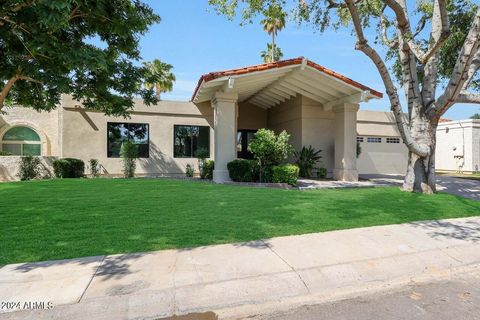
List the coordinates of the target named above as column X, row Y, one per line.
column 57, row 219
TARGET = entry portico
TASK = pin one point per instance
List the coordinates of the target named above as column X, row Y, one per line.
column 317, row 106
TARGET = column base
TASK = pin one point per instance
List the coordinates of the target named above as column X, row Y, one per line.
column 221, row 176
column 345, row 175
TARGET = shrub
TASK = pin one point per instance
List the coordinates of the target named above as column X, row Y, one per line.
column 270, row 149
column 207, row 170
column 322, row 173
column 129, row 154
column 202, row 155
column 68, row 168
column 242, row 170
column 287, row 173
column 306, row 159
column 189, row 171
column 94, row 169
column 5, row 153
column 29, row 168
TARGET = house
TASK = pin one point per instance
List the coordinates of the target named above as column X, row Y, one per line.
column 458, row 146
column 317, row 106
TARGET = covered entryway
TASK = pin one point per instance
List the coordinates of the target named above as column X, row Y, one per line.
column 315, row 105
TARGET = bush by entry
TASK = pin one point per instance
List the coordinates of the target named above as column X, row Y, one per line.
column 68, row 218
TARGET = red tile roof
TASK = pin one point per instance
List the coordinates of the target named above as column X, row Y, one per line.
column 279, row 64
column 444, row 120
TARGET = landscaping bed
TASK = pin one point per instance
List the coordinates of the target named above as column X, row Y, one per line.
column 68, row 218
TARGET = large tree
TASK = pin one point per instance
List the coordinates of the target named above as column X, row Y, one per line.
column 271, row 55
column 432, row 50
column 86, row 48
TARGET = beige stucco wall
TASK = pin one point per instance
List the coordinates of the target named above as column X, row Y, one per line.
column 458, row 146
column 251, row 117
column 287, row 116
column 84, row 140
column 10, row 165
column 380, row 158
column 46, row 124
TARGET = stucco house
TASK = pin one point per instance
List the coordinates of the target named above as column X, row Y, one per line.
column 317, row 106
column 458, row 146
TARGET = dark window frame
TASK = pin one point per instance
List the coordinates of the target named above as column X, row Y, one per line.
column 190, row 125
column 130, row 123
column 245, row 154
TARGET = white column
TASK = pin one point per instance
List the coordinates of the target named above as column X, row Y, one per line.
column 346, row 142
column 225, row 127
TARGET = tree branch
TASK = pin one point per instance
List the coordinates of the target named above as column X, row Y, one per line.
column 473, row 69
column 6, row 89
column 363, row 46
column 467, row 97
column 383, row 24
column 460, row 75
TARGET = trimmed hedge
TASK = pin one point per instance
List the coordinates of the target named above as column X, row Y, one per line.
column 287, row 173
column 242, row 170
column 69, row 168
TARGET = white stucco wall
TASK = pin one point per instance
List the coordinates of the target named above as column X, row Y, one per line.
column 458, row 146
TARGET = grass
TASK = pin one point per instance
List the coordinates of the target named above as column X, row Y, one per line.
column 58, row 219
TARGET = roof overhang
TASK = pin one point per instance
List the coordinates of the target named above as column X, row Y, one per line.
column 267, row 85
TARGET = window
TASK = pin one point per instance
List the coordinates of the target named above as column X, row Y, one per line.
column 244, row 137
column 134, row 132
column 374, row 140
column 359, row 139
column 188, row 139
column 393, row 140
column 22, row 141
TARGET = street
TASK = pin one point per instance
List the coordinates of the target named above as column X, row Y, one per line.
column 457, row 298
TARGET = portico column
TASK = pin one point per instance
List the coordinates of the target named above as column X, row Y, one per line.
column 225, row 127
column 346, row 142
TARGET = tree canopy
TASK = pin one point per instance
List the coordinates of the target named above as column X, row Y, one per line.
column 89, row 49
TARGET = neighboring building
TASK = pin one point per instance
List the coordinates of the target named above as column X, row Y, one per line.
column 458, row 146
column 317, row 106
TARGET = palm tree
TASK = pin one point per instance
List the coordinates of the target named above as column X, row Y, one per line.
column 274, row 21
column 161, row 77
column 271, row 56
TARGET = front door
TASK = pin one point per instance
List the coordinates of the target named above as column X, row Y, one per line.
column 243, row 139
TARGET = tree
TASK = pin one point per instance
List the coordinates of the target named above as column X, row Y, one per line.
column 273, row 22
column 270, row 149
column 162, row 76
column 436, row 63
column 475, row 116
column 88, row 49
column 268, row 54
column 129, row 154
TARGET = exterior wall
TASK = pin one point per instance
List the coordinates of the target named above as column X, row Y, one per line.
column 380, row 158
column 458, row 146
column 288, row 116
column 318, row 131
column 251, row 117
column 46, row 124
column 85, row 135
column 9, row 167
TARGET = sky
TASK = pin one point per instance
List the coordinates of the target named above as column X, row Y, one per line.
column 195, row 40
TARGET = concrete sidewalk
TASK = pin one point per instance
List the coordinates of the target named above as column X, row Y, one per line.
column 234, row 280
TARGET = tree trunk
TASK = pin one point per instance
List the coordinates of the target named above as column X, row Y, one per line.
column 420, row 176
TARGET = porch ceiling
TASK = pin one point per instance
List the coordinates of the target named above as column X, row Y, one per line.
column 270, row 84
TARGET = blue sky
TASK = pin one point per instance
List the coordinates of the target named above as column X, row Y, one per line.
column 195, row 40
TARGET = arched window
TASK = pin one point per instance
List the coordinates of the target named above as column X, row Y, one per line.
column 22, row 141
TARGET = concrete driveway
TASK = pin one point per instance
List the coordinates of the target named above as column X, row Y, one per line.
column 458, row 186
column 237, row 280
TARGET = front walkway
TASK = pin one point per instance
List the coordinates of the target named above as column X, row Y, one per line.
column 244, row 278
column 458, row 186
